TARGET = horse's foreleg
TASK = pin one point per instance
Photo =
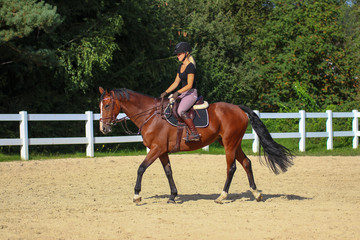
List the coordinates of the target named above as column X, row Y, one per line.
column 246, row 163
column 167, row 168
column 150, row 158
column 231, row 168
column 144, row 165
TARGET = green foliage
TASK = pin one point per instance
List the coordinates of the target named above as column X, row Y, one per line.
column 305, row 98
column 218, row 30
column 93, row 50
column 351, row 23
column 19, row 18
column 116, row 44
column 27, row 59
column 21, row 21
column 302, row 43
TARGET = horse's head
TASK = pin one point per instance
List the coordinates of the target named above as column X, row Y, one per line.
column 108, row 110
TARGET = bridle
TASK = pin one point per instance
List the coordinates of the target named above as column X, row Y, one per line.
column 114, row 120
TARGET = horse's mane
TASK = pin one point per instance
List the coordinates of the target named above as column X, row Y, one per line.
column 122, row 93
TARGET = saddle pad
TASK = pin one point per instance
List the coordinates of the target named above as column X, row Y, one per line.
column 201, row 119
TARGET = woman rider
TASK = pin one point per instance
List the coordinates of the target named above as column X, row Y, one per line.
column 188, row 92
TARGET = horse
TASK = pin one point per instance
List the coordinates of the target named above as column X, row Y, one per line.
column 227, row 124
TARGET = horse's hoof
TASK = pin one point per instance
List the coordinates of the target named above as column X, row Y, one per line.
column 171, row 201
column 137, row 199
column 257, row 195
column 222, row 197
column 259, row 198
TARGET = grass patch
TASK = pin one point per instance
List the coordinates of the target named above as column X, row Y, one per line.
column 9, row 157
column 314, row 147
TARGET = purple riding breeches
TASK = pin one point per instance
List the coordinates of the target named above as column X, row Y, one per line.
column 188, row 99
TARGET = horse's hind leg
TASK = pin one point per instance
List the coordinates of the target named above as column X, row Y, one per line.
column 167, row 168
column 246, row 163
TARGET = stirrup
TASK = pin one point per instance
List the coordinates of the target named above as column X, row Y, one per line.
column 195, row 138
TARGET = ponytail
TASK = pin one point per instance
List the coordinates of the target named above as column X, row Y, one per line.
column 192, row 60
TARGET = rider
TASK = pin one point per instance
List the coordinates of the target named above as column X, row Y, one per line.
column 188, row 92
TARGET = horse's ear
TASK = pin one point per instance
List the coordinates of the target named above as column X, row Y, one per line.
column 101, row 90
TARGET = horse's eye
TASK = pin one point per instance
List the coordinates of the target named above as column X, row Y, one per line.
column 107, row 106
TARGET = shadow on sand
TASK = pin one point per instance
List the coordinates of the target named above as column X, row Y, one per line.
column 232, row 197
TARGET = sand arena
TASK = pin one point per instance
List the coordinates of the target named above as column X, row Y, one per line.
column 91, row 198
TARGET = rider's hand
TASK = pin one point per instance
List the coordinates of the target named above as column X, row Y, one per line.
column 175, row 95
column 163, row 94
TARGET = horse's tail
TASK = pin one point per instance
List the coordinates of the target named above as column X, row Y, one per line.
column 276, row 155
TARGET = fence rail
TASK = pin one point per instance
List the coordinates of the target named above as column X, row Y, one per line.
column 89, row 117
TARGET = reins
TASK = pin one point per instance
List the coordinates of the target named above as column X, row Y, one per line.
column 123, row 121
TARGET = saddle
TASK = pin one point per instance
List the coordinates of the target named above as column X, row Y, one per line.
column 191, row 111
column 198, row 113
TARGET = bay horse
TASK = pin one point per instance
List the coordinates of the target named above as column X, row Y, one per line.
column 227, row 124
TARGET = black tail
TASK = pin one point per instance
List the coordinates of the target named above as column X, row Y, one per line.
column 276, row 155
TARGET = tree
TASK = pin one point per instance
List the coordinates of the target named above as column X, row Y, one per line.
column 58, row 64
column 26, row 27
column 64, row 53
column 219, row 32
column 351, row 23
column 115, row 44
column 19, row 19
column 302, row 45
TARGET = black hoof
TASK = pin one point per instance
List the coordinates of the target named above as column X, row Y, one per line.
column 172, row 201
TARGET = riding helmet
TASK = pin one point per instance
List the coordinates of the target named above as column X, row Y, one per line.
column 182, row 47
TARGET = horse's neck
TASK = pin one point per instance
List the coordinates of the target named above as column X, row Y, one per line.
column 138, row 107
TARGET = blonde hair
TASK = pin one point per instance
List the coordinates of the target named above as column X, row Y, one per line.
column 192, row 60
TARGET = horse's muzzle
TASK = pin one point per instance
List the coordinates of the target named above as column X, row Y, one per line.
column 105, row 128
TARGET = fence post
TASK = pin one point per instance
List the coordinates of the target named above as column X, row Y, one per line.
column 329, row 130
column 302, row 130
column 24, row 136
column 256, row 145
column 89, row 131
column 355, row 128
column 206, row 148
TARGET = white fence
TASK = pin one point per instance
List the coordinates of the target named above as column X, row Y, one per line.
column 89, row 117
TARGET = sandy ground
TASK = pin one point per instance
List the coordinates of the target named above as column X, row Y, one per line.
column 91, row 198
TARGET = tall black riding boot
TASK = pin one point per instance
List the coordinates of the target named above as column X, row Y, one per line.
column 194, row 135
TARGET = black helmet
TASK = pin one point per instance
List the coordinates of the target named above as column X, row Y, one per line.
column 182, row 47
